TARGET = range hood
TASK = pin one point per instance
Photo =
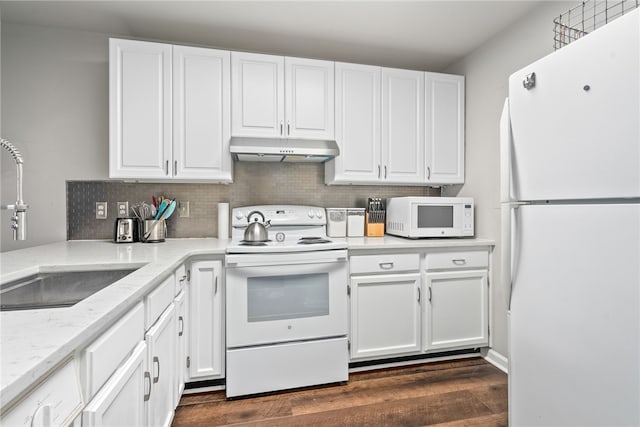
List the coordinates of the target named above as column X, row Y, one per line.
column 249, row 149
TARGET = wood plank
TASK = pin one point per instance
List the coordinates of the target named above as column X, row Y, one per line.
column 219, row 413
column 495, row 396
column 495, row 420
column 412, row 369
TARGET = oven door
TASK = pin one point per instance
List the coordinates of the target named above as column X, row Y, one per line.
column 273, row 298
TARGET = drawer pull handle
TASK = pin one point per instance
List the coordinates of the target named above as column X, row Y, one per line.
column 181, row 321
column 460, row 261
column 386, row 265
column 156, row 360
column 419, row 295
column 147, row 376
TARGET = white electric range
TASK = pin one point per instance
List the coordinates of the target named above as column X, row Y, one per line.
column 293, row 229
column 286, row 303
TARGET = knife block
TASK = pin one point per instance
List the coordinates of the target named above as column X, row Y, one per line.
column 373, row 229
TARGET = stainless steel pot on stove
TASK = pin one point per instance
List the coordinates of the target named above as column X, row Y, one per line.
column 256, row 231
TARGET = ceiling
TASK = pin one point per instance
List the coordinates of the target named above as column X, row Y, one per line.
column 423, row 35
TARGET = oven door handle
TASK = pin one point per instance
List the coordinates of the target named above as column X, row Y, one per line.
column 260, row 260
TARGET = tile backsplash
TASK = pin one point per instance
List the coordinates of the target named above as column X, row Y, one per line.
column 254, row 184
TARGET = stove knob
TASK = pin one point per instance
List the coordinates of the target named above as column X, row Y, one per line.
column 319, row 214
column 310, row 213
column 239, row 215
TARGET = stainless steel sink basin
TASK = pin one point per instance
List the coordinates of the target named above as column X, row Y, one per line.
column 59, row 289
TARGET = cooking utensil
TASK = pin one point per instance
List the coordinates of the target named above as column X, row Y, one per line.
column 163, row 207
column 256, row 231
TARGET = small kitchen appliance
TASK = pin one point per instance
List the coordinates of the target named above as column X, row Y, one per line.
column 286, row 301
column 417, row 217
column 125, row 230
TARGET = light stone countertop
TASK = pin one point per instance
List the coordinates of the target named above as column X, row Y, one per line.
column 33, row 342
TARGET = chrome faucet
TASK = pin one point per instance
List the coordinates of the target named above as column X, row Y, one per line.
column 19, row 217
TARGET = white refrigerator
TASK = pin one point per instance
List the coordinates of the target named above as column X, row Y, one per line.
column 570, row 160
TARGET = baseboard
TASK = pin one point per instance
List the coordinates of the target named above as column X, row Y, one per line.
column 497, row 360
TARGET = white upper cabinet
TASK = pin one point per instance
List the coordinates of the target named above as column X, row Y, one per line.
column 274, row 96
column 444, row 135
column 201, row 113
column 357, row 118
column 257, row 90
column 309, row 102
column 139, row 109
column 402, row 126
column 169, row 112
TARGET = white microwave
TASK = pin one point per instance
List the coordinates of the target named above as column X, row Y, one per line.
column 416, row 217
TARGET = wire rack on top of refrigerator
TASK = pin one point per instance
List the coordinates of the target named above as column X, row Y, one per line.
column 587, row 17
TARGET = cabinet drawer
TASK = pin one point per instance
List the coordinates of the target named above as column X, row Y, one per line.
column 55, row 402
column 158, row 300
column 454, row 260
column 106, row 353
column 384, row 263
column 180, row 277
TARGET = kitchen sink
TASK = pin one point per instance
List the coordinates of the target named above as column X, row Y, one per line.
column 56, row 289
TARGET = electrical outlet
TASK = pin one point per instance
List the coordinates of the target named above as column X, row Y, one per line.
column 183, row 209
column 101, row 210
column 123, row 209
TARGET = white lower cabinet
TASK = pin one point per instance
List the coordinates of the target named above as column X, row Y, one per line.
column 397, row 311
column 121, row 402
column 181, row 344
column 56, row 401
column 161, row 342
column 456, row 312
column 385, row 315
column 206, row 321
column 385, row 305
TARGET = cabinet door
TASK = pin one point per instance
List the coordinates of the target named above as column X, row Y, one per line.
column 403, row 126
column 121, row 402
column 357, row 116
column 444, row 136
column 181, row 343
column 139, row 109
column 161, row 340
column 206, row 345
column 456, row 310
column 385, row 315
column 309, row 98
column 257, row 95
column 201, row 113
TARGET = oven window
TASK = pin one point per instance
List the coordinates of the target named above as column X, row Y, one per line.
column 287, row 297
column 435, row 216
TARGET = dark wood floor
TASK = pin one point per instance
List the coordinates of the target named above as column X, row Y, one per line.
column 468, row 392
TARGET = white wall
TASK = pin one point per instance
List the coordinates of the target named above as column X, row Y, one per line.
column 487, row 71
column 55, row 110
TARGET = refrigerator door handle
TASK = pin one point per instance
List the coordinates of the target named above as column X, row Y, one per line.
column 505, row 153
column 505, row 252
column 510, row 247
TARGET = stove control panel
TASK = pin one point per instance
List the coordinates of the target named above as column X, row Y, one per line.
column 287, row 215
